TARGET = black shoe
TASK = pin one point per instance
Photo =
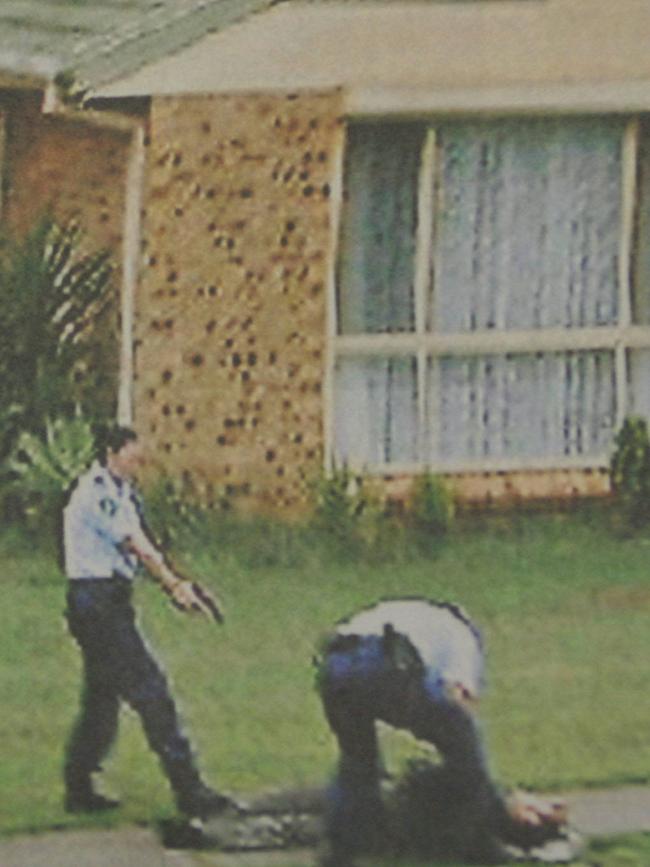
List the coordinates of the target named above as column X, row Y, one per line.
column 205, row 802
column 183, row 834
column 88, row 802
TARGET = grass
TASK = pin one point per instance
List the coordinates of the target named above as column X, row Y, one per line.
column 564, row 604
column 629, row 850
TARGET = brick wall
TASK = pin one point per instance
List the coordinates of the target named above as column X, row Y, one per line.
column 509, row 488
column 231, row 311
column 75, row 168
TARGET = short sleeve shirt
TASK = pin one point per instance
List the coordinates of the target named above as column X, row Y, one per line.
column 101, row 513
column 446, row 641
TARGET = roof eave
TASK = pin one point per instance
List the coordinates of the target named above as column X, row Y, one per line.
column 98, row 66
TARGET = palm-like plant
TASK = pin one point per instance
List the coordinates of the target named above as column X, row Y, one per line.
column 42, row 468
column 51, row 293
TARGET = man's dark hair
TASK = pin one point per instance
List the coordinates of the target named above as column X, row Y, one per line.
column 111, row 438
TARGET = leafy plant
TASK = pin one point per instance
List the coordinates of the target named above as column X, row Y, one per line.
column 347, row 510
column 41, row 469
column 630, row 470
column 52, row 293
column 173, row 513
column 432, row 507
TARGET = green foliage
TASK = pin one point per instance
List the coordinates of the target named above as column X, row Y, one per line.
column 42, row 468
column 348, row 511
column 350, row 521
column 178, row 520
column 432, row 507
column 51, row 293
column 628, row 850
column 351, row 510
column 630, row 471
column 171, row 513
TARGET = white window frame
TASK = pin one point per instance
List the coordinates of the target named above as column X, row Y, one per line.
column 620, row 339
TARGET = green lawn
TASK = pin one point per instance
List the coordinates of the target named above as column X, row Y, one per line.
column 564, row 604
column 631, row 850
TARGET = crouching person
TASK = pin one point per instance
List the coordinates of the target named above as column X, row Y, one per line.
column 416, row 665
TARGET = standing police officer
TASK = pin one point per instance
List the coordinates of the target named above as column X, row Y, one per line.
column 416, row 665
column 104, row 542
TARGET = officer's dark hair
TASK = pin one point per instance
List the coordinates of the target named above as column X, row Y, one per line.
column 111, row 438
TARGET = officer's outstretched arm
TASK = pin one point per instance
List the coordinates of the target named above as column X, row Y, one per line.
column 185, row 595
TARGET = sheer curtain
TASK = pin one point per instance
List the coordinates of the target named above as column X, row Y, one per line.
column 376, row 419
column 376, row 410
column 377, row 250
column 522, row 406
column 526, row 230
column 639, row 359
column 527, row 225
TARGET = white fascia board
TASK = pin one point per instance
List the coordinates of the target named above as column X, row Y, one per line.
column 612, row 97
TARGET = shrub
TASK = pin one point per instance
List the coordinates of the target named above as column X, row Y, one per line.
column 348, row 511
column 41, row 469
column 173, row 513
column 52, row 293
column 432, row 507
column 181, row 520
column 630, row 470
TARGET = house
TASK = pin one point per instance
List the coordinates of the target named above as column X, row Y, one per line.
column 402, row 235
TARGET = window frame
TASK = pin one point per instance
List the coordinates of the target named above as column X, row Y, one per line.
column 620, row 339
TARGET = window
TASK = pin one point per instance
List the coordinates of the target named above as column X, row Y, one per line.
column 490, row 313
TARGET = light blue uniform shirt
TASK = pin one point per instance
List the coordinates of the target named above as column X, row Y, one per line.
column 101, row 513
column 448, row 645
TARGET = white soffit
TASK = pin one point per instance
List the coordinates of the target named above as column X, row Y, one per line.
column 604, row 98
column 421, row 56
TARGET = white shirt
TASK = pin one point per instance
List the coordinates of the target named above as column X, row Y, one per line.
column 447, row 643
column 101, row 513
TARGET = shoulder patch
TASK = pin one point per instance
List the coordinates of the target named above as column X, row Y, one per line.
column 108, row 506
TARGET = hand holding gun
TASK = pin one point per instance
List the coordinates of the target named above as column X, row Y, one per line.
column 189, row 596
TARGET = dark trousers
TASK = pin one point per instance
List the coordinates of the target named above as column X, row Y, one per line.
column 363, row 680
column 118, row 666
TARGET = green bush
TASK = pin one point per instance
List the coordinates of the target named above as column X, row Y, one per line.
column 350, row 522
column 52, row 293
column 348, row 512
column 630, row 471
column 42, row 468
column 172, row 513
column 432, row 507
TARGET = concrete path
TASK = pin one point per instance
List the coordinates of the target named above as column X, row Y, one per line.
column 593, row 814
column 614, row 811
column 128, row 847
